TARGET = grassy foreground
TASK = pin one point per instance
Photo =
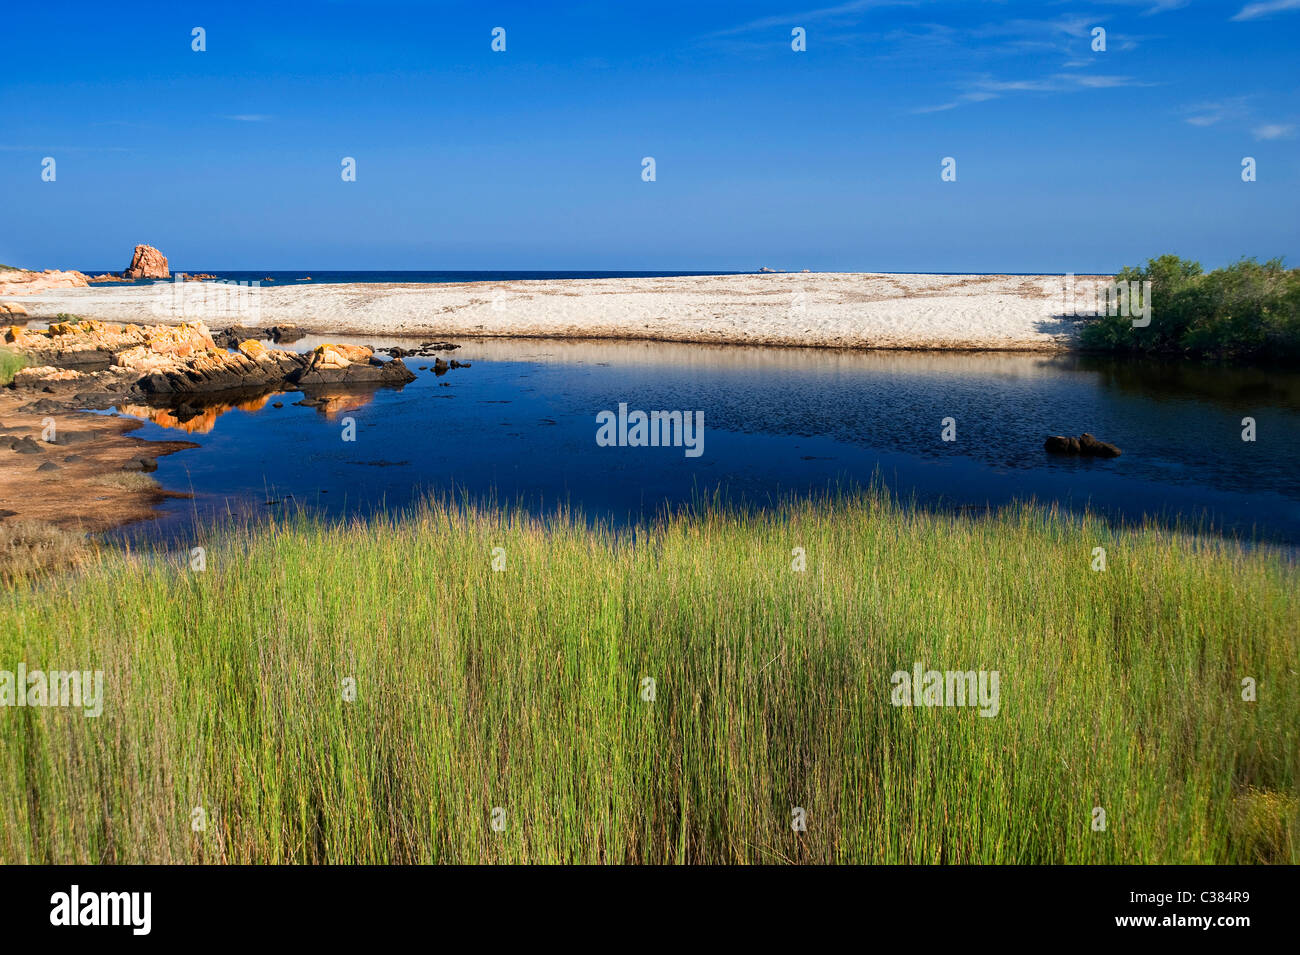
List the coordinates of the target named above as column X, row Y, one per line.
column 521, row 689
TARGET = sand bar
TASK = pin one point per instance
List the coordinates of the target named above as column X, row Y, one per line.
column 843, row 310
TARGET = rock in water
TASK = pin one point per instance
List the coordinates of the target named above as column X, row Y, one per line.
column 147, row 263
column 285, row 334
column 1060, row 444
column 350, row 364
column 1085, row 445
column 1097, row 449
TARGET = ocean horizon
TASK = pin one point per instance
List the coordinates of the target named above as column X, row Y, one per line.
column 350, row 276
column 337, row 277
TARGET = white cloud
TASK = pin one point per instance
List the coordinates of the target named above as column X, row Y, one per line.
column 1216, row 111
column 1274, row 131
column 1253, row 11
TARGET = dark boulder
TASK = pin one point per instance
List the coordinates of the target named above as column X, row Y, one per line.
column 374, row 372
column 1085, row 446
column 1060, row 444
column 285, row 334
column 1090, row 446
column 235, row 334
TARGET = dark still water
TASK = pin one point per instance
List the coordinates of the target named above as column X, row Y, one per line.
column 521, row 424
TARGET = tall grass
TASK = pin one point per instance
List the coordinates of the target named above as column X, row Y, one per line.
column 520, row 689
column 10, row 362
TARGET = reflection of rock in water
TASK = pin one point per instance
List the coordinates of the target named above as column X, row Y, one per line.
column 194, row 419
column 197, row 416
column 333, row 403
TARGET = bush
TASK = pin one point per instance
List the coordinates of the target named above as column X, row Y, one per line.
column 1248, row 310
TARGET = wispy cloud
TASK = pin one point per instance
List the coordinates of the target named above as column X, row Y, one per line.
column 1152, row 6
column 1212, row 112
column 1274, row 131
column 986, row 88
column 249, row 117
column 839, row 11
column 1253, row 11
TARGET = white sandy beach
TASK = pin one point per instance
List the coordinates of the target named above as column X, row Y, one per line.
column 844, row 310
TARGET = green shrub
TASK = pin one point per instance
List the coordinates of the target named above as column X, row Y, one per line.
column 1248, row 310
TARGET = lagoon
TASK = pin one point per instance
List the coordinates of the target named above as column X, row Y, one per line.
column 520, row 425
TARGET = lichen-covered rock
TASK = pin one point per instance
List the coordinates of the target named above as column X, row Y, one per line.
column 218, row 370
column 332, row 357
column 254, row 349
column 372, row 372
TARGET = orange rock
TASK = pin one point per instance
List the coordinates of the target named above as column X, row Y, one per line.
column 339, row 356
column 147, row 263
column 253, row 349
column 23, row 282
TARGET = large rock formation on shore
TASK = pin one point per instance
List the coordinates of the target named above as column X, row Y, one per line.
column 147, row 263
column 25, row 282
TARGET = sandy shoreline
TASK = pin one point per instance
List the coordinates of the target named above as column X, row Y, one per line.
column 78, row 454
column 838, row 310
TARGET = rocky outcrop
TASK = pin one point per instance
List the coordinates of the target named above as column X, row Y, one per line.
column 147, row 263
column 23, row 282
column 73, row 344
column 1085, row 445
column 104, row 363
column 350, row 365
column 253, row 367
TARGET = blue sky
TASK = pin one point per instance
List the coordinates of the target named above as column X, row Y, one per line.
column 1067, row 159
